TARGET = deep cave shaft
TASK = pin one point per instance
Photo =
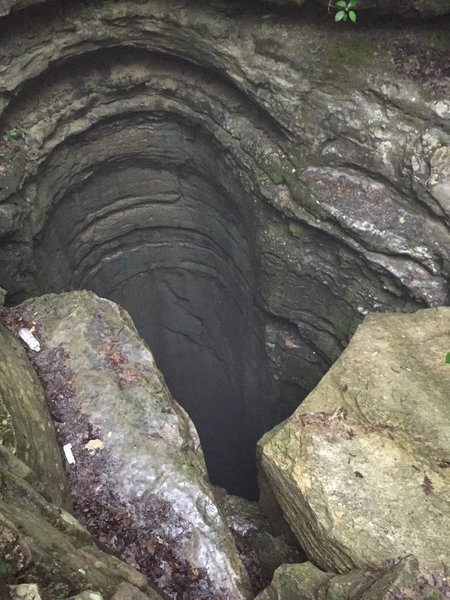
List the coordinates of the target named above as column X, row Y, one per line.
column 184, row 181
column 164, row 237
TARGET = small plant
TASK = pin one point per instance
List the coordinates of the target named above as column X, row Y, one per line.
column 346, row 11
column 15, row 134
column 447, row 358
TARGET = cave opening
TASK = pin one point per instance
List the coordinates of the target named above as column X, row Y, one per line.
column 153, row 220
column 159, row 184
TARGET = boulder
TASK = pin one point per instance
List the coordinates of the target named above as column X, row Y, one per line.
column 14, row 550
column 126, row 591
column 42, row 544
column 24, row 591
column 292, row 582
column 89, row 595
column 307, row 582
column 138, row 480
column 34, row 434
column 362, row 469
column 262, row 546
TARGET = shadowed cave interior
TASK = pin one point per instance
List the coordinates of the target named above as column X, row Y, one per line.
column 153, row 219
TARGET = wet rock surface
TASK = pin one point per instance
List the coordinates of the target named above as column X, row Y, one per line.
column 262, row 548
column 43, row 544
column 409, row 8
column 247, row 183
column 139, row 481
column 361, row 468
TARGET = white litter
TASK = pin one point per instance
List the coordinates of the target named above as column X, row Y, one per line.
column 69, row 454
column 29, row 339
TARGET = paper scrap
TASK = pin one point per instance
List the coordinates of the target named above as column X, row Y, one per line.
column 69, row 454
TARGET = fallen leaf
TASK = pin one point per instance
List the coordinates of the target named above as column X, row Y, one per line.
column 93, row 445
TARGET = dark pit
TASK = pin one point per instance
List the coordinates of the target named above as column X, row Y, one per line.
column 156, row 223
column 157, row 172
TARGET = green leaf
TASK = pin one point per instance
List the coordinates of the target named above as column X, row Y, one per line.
column 352, row 16
column 352, row 3
column 447, row 358
column 341, row 4
column 340, row 15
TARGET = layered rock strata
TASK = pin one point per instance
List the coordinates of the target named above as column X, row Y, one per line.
column 247, row 186
column 361, row 469
column 43, row 543
column 34, row 434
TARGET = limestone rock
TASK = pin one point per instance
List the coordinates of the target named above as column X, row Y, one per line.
column 262, row 547
column 404, row 7
column 23, row 396
column 24, row 591
column 56, row 550
column 88, row 595
column 294, row 582
column 7, row 6
column 407, row 7
column 139, row 481
column 306, row 582
column 410, row 8
column 360, row 470
column 15, row 554
column 264, row 177
column 126, row 591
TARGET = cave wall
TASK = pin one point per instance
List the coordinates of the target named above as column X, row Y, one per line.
column 247, row 185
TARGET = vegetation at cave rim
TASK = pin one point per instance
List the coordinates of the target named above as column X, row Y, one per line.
column 345, row 11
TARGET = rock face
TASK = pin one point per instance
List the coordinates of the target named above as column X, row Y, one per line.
column 410, row 8
column 56, row 551
column 361, row 469
column 139, row 480
column 404, row 580
column 248, row 184
column 35, row 439
column 262, row 548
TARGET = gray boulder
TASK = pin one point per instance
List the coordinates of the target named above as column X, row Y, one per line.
column 401, row 582
column 139, row 480
column 361, row 469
